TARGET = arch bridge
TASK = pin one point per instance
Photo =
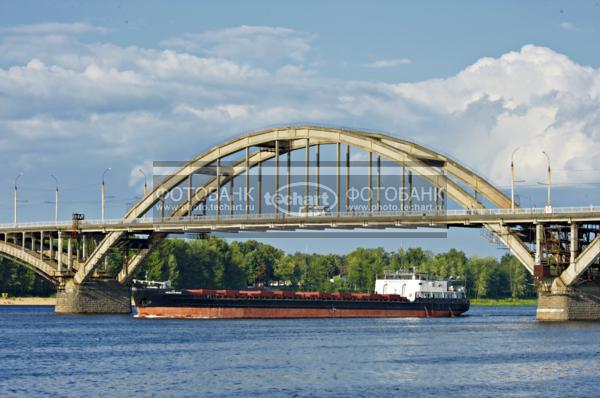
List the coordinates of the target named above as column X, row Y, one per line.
column 270, row 168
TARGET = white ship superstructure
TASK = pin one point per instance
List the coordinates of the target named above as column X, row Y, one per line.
column 414, row 285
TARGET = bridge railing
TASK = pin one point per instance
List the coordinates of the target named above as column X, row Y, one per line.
column 354, row 214
column 300, row 216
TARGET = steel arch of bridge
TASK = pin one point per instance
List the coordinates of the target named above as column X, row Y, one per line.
column 414, row 157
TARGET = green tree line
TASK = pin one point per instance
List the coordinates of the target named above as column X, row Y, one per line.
column 17, row 280
column 214, row 263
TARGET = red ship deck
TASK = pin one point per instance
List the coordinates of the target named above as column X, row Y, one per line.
column 282, row 295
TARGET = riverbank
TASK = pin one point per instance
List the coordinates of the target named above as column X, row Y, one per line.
column 28, row 301
column 504, row 302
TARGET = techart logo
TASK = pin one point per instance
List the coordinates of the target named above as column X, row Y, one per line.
column 319, row 200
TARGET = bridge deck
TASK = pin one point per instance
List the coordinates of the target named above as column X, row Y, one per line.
column 342, row 220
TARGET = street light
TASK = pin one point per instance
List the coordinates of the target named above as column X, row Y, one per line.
column 548, row 207
column 15, row 199
column 145, row 185
column 55, row 199
column 102, row 190
column 145, row 182
column 512, row 180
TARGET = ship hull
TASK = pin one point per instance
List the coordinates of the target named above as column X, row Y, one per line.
column 263, row 313
column 153, row 303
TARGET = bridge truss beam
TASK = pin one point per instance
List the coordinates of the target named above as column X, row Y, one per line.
column 581, row 264
column 30, row 259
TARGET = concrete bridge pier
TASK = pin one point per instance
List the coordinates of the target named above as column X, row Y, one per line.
column 570, row 296
column 95, row 296
column 569, row 303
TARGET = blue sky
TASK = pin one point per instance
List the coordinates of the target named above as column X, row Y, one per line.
column 120, row 84
column 439, row 37
column 425, row 32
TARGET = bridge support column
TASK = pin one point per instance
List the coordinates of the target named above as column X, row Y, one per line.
column 574, row 245
column 77, row 251
column 51, row 246
column 539, row 232
column 569, row 303
column 59, row 251
column 69, row 255
column 84, row 248
column 94, row 297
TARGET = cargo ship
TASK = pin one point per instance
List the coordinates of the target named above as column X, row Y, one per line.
column 397, row 295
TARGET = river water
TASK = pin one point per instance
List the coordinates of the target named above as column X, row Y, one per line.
column 494, row 351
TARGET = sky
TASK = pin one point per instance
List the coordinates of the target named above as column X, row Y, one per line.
column 89, row 85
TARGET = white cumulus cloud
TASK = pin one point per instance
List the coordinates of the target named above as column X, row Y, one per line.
column 389, row 63
column 262, row 44
column 573, row 28
column 55, row 28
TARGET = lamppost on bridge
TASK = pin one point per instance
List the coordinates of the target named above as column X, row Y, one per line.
column 145, row 185
column 512, row 180
column 15, row 199
column 55, row 198
column 548, row 206
column 102, row 190
column 145, row 182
